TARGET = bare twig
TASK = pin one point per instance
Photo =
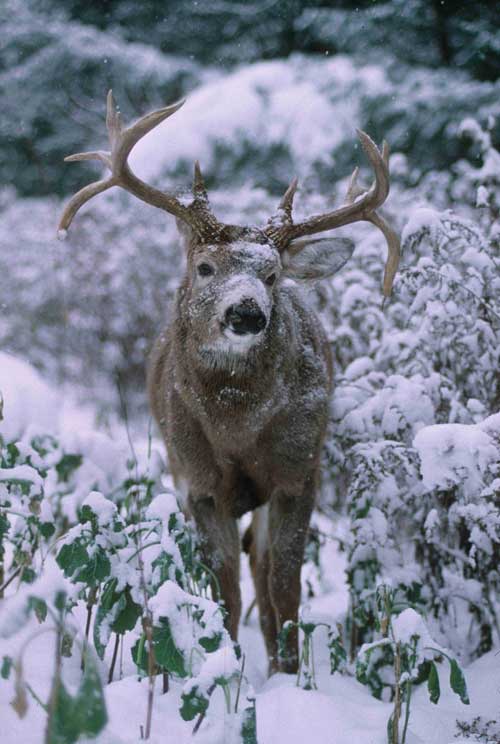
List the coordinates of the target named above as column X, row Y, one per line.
column 10, row 579
column 240, row 679
column 113, row 659
column 203, row 713
column 397, row 696
column 251, row 606
column 90, row 604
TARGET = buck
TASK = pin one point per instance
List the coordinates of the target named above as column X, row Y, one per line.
column 240, row 381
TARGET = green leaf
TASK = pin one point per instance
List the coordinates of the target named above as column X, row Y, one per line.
column 6, row 667
column 66, row 465
column 390, row 729
column 62, row 724
column 193, row 703
column 433, row 683
column 84, row 715
column 338, row 656
column 167, row 655
column 96, row 570
column 249, row 726
column 307, row 628
column 67, row 645
column 123, row 610
column 72, row 557
column 39, row 606
column 4, row 528
column 99, row 645
column 47, row 529
column 60, row 600
column 138, row 653
column 211, row 643
column 166, row 652
column 89, row 705
column 457, row 682
column 128, row 614
column 28, row 575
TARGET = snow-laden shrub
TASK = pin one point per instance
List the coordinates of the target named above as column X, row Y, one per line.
column 404, row 656
column 426, row 369
column 124, row 554
column 480, row 185
column 426, row 520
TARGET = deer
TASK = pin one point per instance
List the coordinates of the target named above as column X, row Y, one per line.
column 239, row 383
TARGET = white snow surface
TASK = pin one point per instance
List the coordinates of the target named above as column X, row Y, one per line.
column 455, row 453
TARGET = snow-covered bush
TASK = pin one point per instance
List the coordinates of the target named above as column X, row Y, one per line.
column 125, row 555
column 405, row 655
column 426, row 519
column 423, row 371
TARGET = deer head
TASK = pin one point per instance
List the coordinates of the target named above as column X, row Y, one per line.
column 232, row 271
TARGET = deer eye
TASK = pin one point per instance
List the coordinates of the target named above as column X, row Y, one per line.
column 270, row 280
column 204, row 269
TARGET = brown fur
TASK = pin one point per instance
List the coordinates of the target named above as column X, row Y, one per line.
column 246, row 430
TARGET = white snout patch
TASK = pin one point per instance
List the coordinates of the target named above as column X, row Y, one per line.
column 238, row 288
column 240, row 343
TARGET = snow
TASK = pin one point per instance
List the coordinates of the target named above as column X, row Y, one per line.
column 454, row 453
column 29, row 403
column 162, row 507
column 482, row 197
column 263, row 100
column 102, row 507
column 296, row 716
column 21, row 472
column 420, row 218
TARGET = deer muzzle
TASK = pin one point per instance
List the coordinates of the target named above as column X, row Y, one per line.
column 245, row 317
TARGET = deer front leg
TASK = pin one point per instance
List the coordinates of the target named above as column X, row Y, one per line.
column 289, row 517
column 260, row 566
column 220, row 545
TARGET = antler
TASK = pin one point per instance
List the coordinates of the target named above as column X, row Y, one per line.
column 360, row 204
column 197, row 214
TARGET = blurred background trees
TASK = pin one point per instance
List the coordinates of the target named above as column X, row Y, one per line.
column 58, row 57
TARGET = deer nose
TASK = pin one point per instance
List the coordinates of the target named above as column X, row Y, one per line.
column 245, row 317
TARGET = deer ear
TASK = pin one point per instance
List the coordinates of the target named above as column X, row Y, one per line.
column 309, row 260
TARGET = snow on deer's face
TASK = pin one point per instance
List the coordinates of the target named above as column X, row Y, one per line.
column 231, row 295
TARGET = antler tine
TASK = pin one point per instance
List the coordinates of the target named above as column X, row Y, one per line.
column 286, row 203
column 127, row 138
column 122, row 140
column 281, row 220
column 360, row 205
column 358, row 210
column 199, row 189
column 113, row 119
column 354, row 190
column 78, row 200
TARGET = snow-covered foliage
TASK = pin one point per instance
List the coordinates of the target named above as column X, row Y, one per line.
column 124, row 552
